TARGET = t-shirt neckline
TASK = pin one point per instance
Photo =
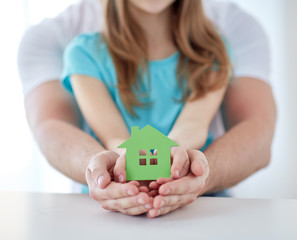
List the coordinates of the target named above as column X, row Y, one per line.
column 164, row 61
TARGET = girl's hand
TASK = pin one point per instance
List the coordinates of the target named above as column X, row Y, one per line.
column 179, row 168
column 174, row 194
column 120, row 175
column 122, row 197
column 180, row 162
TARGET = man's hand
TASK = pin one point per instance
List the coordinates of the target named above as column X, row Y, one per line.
column 179, row 168
column 174, row 194
column 121, row 197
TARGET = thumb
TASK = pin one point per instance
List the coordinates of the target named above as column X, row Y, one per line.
column 120, row 169
column 199, row 163
column 99, row 166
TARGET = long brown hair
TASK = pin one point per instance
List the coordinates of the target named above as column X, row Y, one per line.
column 201, row 49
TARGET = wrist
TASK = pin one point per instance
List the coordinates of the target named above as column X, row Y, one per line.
column 193, row 140
column 113, row 145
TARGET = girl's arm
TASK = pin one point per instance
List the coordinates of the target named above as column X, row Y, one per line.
column 100, row 111
column 191, row 127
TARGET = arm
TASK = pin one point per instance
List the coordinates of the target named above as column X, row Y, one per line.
column 191, row 126
column 54, row 121
column 245, row 148
column 100, row 111
column 53, row 116
column 241, row 151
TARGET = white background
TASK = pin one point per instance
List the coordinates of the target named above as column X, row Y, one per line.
column 23, row 168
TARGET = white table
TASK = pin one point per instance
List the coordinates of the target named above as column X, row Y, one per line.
column 36, row 216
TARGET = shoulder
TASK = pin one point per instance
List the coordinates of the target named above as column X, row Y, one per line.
column 87, row 40
column 229, row 17
column 91, row 44
column 246, row 38
column 42, row 46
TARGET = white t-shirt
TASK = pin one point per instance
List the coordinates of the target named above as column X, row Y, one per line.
column 40, row 56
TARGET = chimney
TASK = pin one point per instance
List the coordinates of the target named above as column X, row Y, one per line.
column 134, row 130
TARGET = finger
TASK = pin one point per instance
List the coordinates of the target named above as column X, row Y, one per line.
column 140, row 200
column 180, row 162
column 136, row 183
column 162, row 211
column 99, row 168
column 154, row 185
column 161, row 181
column 114, row 191
column 199, row 163
column 134, row 211
column 153, row 193
column 185, row 185
column 120, row 169
column 171, row 200
column 143, row 189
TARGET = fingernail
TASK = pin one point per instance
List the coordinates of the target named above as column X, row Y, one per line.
column 147, row 206
column 140, row 201
column 177, row 173
column 121, row 178
column 100, row 179
column 162, row 203
column 130, row 192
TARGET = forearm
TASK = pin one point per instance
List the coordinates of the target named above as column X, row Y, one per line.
column 189, row 134
column 100, row 111
column 239, row 153
column 191, row 127
column 67, row 148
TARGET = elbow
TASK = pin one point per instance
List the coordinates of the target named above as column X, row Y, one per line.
column 265, row 144
column 266, row 159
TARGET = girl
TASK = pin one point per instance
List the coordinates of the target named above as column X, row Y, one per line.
column 157, row 62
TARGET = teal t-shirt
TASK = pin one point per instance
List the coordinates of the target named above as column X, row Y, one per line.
column 88, row 55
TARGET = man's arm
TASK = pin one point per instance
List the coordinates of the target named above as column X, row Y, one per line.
column 245, row 147
column 241, row 151
column 54, row 121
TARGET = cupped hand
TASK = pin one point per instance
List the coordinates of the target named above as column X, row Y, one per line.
column 179, row 168
column 175, row 193
column 122, row 197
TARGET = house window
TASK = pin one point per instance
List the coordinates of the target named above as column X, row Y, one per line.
column 143, row 157
column 153, row 161
column 142, row 152
column 153, row 152
column 142, row 161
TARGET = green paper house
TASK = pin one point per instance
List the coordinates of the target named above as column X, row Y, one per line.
column 141, row 164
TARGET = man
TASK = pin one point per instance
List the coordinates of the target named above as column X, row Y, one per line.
column 249, row 111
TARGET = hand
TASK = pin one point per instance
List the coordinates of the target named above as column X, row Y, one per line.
column 180, row 162
column 180, row 168
column 122, row 197
column 174, row 194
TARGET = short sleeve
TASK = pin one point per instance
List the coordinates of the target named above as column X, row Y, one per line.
column 40, row 53
column 250, row 44
column 247, row 39
column 78, row 59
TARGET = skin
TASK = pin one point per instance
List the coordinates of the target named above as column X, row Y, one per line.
column 245, row 148
column 241, row 151
column 95, row 101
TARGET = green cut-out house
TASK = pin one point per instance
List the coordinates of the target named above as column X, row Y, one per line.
column 141, row 164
